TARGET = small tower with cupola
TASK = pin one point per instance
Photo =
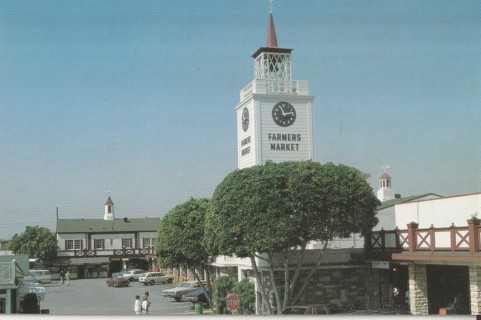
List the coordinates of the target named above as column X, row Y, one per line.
column 274, row 116
column 109, row 209
column 385, row 191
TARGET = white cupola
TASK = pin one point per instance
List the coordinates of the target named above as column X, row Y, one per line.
column 385, row 191
column 109, row 210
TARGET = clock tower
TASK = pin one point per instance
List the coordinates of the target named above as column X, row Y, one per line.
column 274, row 116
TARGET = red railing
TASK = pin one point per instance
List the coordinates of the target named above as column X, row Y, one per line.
column 464, row 239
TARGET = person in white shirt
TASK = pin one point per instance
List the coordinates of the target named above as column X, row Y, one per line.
column 145, row 306
column 137, row 305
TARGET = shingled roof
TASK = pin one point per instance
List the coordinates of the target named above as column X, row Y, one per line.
column 392, row 202
column 100, row 225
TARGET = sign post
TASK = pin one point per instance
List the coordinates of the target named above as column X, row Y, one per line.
column 233, row 302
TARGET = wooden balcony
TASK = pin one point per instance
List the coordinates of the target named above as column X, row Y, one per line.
column 412, row 239
column 125, row 252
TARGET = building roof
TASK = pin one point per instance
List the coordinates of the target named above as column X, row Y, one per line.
column 392, row 202
column 385, row 175
column 109, row 202
column 107, row 226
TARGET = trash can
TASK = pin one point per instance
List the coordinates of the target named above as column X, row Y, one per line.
column 198, row 308
column 446, row 311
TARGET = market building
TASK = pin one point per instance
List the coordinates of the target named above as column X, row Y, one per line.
column 95, row 248
column 436, row 243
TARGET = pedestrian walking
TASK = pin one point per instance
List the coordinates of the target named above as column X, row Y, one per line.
column 145, row 305
column 137, row 305
column 146, row 297
column 67, row 277
column 62, row 276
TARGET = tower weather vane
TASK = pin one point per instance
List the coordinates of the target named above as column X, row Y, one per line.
column 385, row 167
column 270, row 5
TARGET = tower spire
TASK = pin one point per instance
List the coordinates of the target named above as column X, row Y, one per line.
column 271, row 33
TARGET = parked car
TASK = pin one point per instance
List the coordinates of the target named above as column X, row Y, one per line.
column 118, row 282
column 198, row 295
column 181, row 289
column 130, row 274
column 381, row 311
column 155, row 277
column 311, row 309
column 38, row 276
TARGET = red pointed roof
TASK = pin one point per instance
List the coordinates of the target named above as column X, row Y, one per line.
column 271, row 41
column 271, row 34
column 109, row 202
column 385, row 175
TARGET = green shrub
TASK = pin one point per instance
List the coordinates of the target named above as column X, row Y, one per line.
column 245, row 290
column 222, row 287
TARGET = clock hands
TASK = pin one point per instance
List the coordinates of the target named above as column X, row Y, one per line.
column 284, row 114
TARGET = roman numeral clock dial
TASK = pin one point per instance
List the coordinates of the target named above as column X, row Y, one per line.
column 284, row 114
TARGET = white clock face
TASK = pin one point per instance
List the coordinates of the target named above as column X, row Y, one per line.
column 284, row 114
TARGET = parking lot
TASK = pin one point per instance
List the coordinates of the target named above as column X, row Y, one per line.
column 94, row 297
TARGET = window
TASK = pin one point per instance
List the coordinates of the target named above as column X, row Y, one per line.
column 111, row 242
column 73, row 244
column 148, row 242
column 77, row 244
column 127, row 243
column 99, row 244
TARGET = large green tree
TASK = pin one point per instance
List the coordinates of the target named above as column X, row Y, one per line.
column 37, row 242
column 277, row 209
column 179, row 237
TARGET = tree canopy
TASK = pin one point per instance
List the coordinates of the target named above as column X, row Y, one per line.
column 180, row 238
column 180, row 234
column 280, row 207
column 37, row 242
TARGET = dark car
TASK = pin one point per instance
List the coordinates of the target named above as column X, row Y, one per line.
column 118, row 282
column 198, row 295
column 310, row 309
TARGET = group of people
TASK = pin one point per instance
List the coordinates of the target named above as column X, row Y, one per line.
column 142, row 307
column 64, row 277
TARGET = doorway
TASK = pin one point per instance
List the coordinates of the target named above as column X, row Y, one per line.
column 448, row 286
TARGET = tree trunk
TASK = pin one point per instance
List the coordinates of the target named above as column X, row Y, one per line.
column 274, row 284
column 293, row 283
column 286, row 279
column 265, row 299
column 309, row 275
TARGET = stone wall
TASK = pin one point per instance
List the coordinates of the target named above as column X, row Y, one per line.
column 352, row 287
column 418, row 289
column 475, row 289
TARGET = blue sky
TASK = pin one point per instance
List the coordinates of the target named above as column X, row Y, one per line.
column 137, row 97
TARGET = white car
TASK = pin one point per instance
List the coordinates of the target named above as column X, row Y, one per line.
column 133, row 274
column 181, row 289
column 155, row 277
column 40, row 276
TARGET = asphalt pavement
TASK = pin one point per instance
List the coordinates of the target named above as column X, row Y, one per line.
column 94, row 297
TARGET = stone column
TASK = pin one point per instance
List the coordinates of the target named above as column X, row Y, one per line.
column 475, row 289
column 418, row 289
